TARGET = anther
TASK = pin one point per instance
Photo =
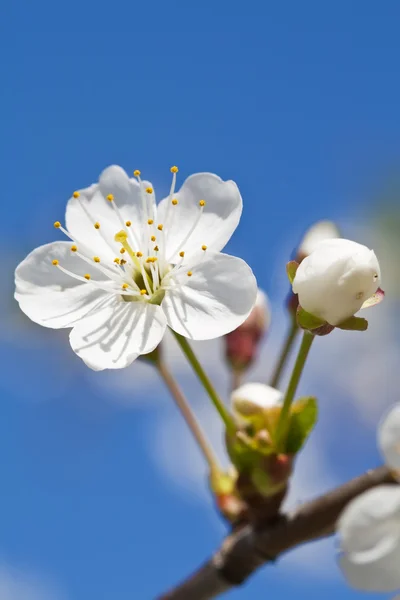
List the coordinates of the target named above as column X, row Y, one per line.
column 128, row 223
column 202, row 203
column 96, row 259
column 181, row 254
column 125, row 286
column 54, row 262
column 136, row 173
column 174, row 202
column 110, row 197
column 123, row 261
column 149, row 190
column 174, row 169
column 121, row 236
column 74, row 248
column 153, row 238
column 143, row 292
column 160, row 227
column 122, row 251
column 156, row 249
column 57, row 224
column 139, row 254
column 87, row 276
column 76, row 194
column 150, row 222
column 189, row 273
column 97, row 225
column 117, row 260
column 204, row 247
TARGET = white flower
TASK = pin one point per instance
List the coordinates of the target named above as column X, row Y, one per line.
column 254, row 398
column 320, row 231
column 369, row 527
column 134, row 268
column 335, row 280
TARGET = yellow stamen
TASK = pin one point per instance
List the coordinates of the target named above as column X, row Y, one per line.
column 76, row 194
column 122, row 251
column 150, row 222
column 87, row 276
column 143, row 292
column 57, row 224
column 189, row 273
column 149, row 190
column 174, row 169
column 123, row 262
column 181, row 254
column 54, row 262
column 139, row 254
column 136, row 173
column 110, row 197
column 156, row 248
column 174, row 202
column 97, row 225
column 121, row 236
column 160, row 227
column 117, row 260
column 153, row 238
column 96, row 259
column 74, row 248
column 128, row 223
column 204, row 247
column 202, row 203
column 125, row 286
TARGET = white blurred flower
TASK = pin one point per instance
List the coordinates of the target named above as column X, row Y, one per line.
column 254, row 398
column 335, row 280
column 369, row 527
column 320, row 231
column 149, row 266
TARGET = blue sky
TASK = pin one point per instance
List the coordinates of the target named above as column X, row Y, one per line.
column 298, row 103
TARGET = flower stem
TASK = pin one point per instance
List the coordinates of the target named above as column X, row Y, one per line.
column 189, row 417
column 289, row 341
column 198, row 369
column 304, row 349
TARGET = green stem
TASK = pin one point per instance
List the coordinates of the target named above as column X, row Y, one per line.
column 189, row 417
column 287, row 347
column 304, row 349
column 198, row 369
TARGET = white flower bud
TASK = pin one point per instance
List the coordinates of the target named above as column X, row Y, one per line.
column 334, row 281
column 389, row 437
column 254, row 398
column 320, row 231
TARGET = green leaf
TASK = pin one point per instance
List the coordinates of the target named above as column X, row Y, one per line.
column 307, row 320
column 291, row 269
column 303, row 417
column 354, row 324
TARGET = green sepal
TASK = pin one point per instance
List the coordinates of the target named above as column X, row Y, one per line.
column 354, row 324
column 291, row 269
column 308, row 321
column 303, row 417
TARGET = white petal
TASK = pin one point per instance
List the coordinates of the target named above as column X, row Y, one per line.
column 389, row 437
column 216, row 299
column 112, row 337
column 47, row 295
column 377, row 572
column 92, row 206
column 254, row 397
column 334, row 281
column 219, row 220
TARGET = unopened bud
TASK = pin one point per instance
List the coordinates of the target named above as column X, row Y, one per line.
column 253, row 399
column 242, row 344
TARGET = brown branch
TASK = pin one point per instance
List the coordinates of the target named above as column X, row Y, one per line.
column 246, row 550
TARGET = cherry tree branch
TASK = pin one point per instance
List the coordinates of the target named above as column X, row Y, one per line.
column 247, row 549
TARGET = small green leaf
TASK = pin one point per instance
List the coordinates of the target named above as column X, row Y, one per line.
column 291, row 269
column 308, row 321
column 304, row 415
column 354, row 324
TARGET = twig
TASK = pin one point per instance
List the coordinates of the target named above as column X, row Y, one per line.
column 246, row 550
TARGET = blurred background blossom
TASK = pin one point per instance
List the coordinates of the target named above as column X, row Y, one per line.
column 104, row 493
